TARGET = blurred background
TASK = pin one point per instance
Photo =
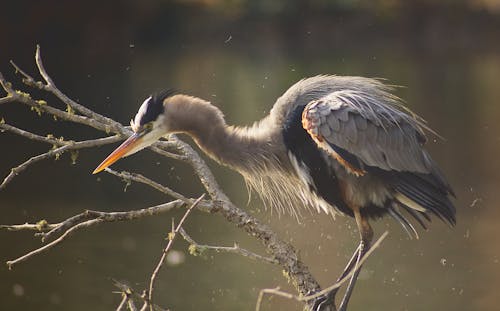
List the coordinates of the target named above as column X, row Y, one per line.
column 242, row 55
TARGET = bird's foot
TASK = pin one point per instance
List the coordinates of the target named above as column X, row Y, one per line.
column 325, row 302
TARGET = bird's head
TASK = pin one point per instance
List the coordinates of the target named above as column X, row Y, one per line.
column 149, row 125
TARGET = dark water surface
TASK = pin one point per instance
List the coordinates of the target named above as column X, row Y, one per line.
column 111, row 59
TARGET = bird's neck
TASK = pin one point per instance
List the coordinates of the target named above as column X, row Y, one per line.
column 239, row 147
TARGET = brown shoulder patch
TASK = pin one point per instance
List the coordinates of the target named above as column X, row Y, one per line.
column 310, row 122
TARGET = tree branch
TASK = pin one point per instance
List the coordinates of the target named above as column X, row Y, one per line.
column 84, row 224
column 63, row 147
column 51, row 87
column 21, row 167
column 146, row 181
column 171, row 238
column 132, row 295
column 84, row 220
column 197, row 249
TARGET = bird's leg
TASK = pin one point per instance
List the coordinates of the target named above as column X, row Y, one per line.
column 366, row 233
column 348, row 267
column 330, row 297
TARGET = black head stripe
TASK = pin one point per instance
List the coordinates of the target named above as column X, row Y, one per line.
column 154, row 107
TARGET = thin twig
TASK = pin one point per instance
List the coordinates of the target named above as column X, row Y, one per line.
column 196, row 248
column 6, row 86
column 40, row 226
column 159, row 150
column 59, row 142
column 65, row 99
column 85, row 220
column 64, row 146
column 133, row 295
column 21, row 167
column 28, row 80
column 5, row 99
column 37, row 251
column 29, row 135
column 131, row 305
column 144, row 180
column 123, row 303
column 65, row 225
column 171, row 239
column 115, row 216
column 272, row 291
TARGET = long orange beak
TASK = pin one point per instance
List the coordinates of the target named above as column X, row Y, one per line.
column 131, row 145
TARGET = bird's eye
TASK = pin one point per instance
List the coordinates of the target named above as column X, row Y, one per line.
column 147, row 127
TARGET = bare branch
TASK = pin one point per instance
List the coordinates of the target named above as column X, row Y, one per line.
column 6, row 99
column 143, row 180
column 123, row 303
column 65, row 225
column 116, row 216
column 272, row 291
column 158, row 149
column 132, row 295
column 51, row 87
column 28, row 80
column 8, row 89
column 85, row 220
column 196, row 249
column 40, row 226
column 21, row 167
column 65, row 146
column 171, row 239
column 59, row 142
column 37, row 251
column 29, row 135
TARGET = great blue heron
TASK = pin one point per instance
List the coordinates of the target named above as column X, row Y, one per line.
column 342, row 145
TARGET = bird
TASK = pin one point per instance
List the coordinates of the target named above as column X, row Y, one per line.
column 341, row 145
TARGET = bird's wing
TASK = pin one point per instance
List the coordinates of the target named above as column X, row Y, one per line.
column 358, row 130
column 372, row 133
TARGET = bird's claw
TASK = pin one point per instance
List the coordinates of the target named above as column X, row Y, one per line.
column 325, row 302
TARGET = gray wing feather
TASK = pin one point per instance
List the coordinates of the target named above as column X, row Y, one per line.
column 334, row 123
column 325, row 129
column 374, row 128
column 351, row 131
column 361, row 123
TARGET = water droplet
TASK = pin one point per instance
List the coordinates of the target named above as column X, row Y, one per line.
column 55, row 299
column 443, row 262
column 18, row 290
column 129, row 244
column 175, row 258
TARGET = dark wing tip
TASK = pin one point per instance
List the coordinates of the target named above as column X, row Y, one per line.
column 428, row 192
